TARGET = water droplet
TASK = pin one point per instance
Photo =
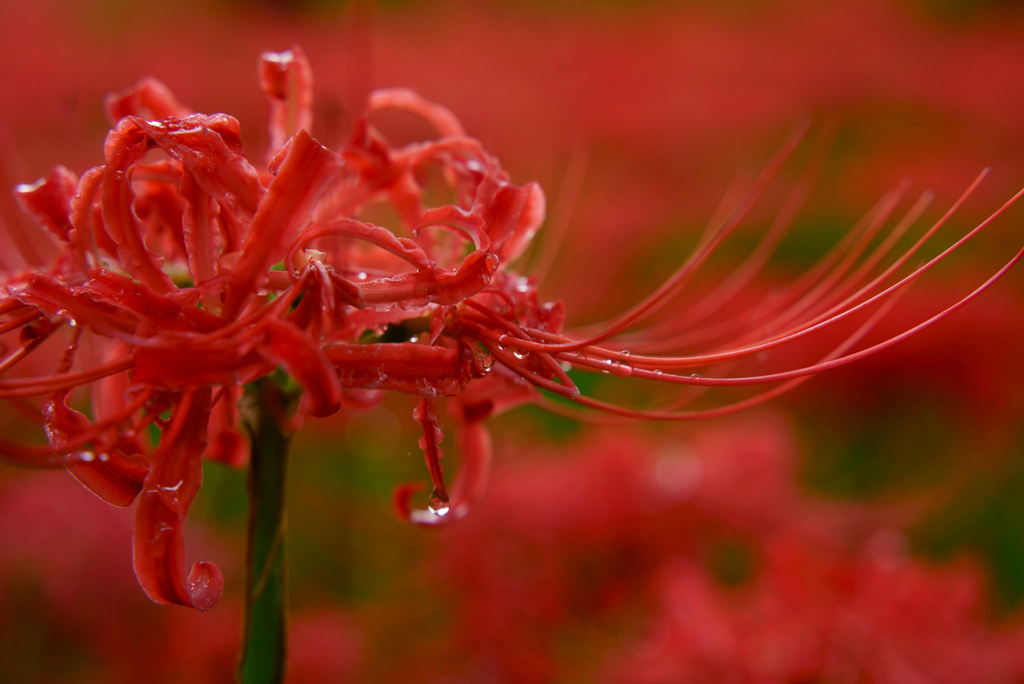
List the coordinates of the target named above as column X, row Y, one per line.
column 658, row 371
column 695, row 376
column 361, row 275
column 625, row 352
column 104, row 457
column 438, row 505
column 420, row 290
column 86, row 456
column 520, row 353
column 566, row 366
column 414, row 339
column 491, row 261
column 523, row 284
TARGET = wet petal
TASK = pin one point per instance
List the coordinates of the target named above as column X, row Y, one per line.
column 209, row 148
column 158, row 549
column 111, row 475
column 197, row 226
column 125, row 147
column 48, row 201
column 432, row 286
column 284, row 210
column 193, row 365
column 149, row 98
column 414, row 368
column 287, row 80
column 287, row 346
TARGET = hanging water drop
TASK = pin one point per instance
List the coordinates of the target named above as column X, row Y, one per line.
column 484, row 361
column 438, row 506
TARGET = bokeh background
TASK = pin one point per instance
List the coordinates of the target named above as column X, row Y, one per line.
column 868, row 527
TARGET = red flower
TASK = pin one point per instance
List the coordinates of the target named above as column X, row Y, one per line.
column 191, row 272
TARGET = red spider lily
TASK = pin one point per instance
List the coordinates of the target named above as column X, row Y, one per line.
column 190, row 272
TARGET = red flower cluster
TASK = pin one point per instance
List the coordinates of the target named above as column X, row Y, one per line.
column 182, row 272
column 700, row 560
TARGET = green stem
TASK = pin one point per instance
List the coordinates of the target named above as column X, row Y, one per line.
column 264, row 645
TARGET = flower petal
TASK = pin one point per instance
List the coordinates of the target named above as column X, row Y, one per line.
column 158, row 549
column 287, row 346
column 149, row 98
column 287, row 80
column 432, row 286
column 403, row 367
column 209, row 147
column 48, row 201
column 124, row 148
column 285, row 209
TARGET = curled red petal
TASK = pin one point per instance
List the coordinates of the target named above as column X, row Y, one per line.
column 469, row 224
column 109, row 474
column 530, row 220
column 197, row 226
column 439, row 116
column 432, row 286
column 87, row 218
column 124, row 148
column 287, row 80
column 48, row 201
column 403, row 248
column 113, row 476
column 401, row 499
column 209, row 148
column 149, row 98
column 158, row 551
column 54, row 296
column 285, row 209
column 175, row 311
column 287, row 346
column 505, row 212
